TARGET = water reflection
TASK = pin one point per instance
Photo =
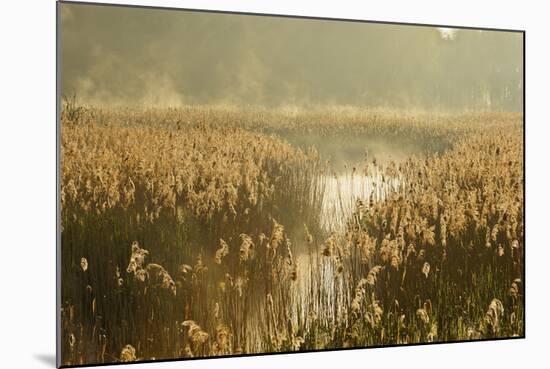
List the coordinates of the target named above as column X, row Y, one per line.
column 343, row 190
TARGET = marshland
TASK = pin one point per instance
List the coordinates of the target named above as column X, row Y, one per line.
column 299, row 192
column 197, row 237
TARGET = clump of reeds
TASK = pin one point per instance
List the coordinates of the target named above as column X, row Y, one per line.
column 218, row 205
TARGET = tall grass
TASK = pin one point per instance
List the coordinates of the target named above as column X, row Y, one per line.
column 201, row 231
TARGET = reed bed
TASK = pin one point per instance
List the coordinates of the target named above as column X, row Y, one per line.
column 201, row 231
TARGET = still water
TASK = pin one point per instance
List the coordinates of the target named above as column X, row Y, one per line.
column 347, row 182
column 343, row 187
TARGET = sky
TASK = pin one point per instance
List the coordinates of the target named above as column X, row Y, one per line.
column 138, row 56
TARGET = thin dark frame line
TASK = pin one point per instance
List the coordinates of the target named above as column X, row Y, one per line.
column 524, row 285
column 58, row 186
column 229, row 12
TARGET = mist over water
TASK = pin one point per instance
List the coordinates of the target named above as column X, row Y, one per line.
column 133, row 56
column 345, row 152
column 346, row 183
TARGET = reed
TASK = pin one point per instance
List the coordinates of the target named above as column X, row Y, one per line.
column 202, row 231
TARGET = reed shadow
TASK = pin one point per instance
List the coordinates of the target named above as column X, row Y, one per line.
column 48, row 359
